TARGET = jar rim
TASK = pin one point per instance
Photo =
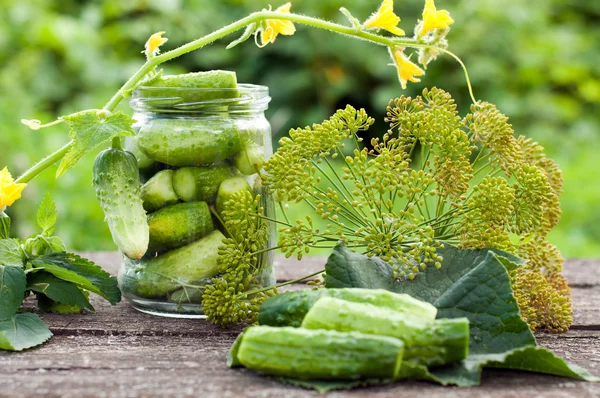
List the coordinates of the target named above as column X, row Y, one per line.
column 244, row 98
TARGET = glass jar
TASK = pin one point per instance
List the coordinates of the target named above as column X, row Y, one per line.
column 195, row 148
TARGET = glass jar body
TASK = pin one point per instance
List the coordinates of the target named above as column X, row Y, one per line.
column 194, row 157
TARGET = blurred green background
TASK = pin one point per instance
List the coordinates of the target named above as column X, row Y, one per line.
column 538, row 60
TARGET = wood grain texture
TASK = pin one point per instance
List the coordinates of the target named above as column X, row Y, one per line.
column 119, row 352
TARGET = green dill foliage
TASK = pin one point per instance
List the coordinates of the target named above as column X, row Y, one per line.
column 40, row 266
column 434, row 177
column 236, row 295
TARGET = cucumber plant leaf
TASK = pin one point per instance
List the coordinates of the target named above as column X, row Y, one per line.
column 89, row 130
column 81, row 272
column 10, row 253
column 58, row 290
column 46, row 214
column 12, row 290
column 23, row 331
column 471, row 283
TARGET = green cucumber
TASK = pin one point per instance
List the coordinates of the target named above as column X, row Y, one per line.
column 427, row 342
column 158, row 191
column 159, row 276
column 116, row 179
column 289, row 309
column 130, row 144
column 200, row 183
column 215, row 81
column 250, row 160
column 227, row 189
column 318, row 354
column 188, row 142
column 179, row 225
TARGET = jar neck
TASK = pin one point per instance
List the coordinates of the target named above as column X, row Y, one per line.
column 245, row 101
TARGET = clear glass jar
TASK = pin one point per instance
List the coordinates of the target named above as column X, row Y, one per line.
column 194, row 147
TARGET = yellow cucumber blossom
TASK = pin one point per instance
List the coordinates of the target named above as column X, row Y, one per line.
column 407, row 70
column 275, row 27
column 153, row 44
column 434, row 19
column 9, row 190
column 384, row 18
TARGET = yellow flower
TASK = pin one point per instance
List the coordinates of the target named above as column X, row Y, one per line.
column 277, row 26
column 9, row 191
column 407, row 71
column 434, row 19
column 154, row 42
column 384, row 18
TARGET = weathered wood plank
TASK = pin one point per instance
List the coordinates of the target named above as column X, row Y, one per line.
column 579, row 272
column 129, row 365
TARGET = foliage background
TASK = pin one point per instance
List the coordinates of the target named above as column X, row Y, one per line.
column 538, row 60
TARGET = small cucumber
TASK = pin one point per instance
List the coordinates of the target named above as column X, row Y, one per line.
column 214, row 79
column 318, row 354
column 227, row 189
column 178, row 225
column 117, row 183
column 186, row 142
column 200, row 183
column 158, row 191
column 290, row 308
column 130, row 144
column 428, row 343
column 189, row 264
column 250, row 160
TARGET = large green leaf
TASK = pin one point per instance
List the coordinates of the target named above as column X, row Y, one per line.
column 58, row 290
column 12, row 290
column 81, row 272
column 23, row 331
column 89, row 130
column 473, row 284
column 10, row 253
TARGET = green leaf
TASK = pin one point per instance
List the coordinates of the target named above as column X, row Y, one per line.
column 46, row 214
column 46, row 304
column 10, row 253
column 82, row 272
column 23, row 331
column 89, row 130
column 41, row 245
column 58, row 290
column 4, row 226
column 12, row 290
column 471, row 283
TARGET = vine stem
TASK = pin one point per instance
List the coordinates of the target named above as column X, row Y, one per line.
column 256, row 17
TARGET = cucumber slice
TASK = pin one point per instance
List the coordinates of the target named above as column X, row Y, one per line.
column 227, row 189
column 158, row 191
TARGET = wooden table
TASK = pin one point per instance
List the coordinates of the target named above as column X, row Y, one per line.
column 119, row 352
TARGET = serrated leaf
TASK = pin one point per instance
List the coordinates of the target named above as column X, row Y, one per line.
column 470, row 283
column 58, row 290
column 12, row 290
column 46, row 304
column 10, row 253
column 23, row 331
column 82, row 272
column 89, row 131
column 4, row 226
column 46, row 214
